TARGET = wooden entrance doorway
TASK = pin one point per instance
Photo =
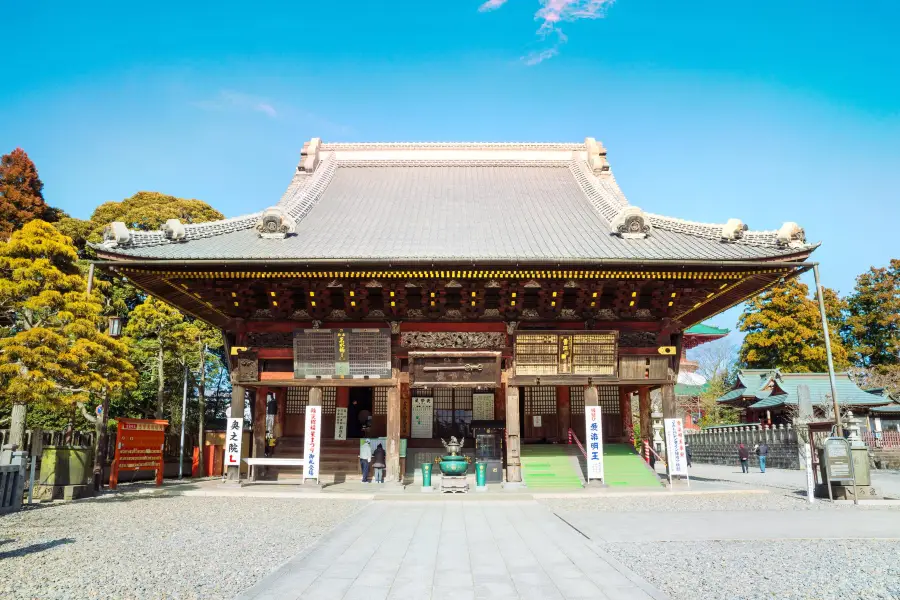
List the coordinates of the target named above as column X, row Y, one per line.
column 538, row 410
column 359, row 412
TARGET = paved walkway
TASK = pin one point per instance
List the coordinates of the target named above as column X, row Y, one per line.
column 886, row 482
column 453, row 550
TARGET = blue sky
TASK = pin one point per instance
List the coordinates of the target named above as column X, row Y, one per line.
column 768, row 111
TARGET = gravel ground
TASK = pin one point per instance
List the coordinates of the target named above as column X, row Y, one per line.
column 662, row 502
column 786, row 570
column 156, row 547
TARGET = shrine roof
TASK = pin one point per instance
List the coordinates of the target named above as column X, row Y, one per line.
column 455, row 202
column 781, row 389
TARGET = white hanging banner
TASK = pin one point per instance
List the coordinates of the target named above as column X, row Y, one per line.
column 593, row 428
column 311, row 442
column 233, row 437
column 340, row 423
column 482, row 407
column 422, row 418
column 676, row 455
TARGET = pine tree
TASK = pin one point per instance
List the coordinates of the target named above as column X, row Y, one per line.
column 21, row 193
column 53, row 348
column 156, row 328
column 873, row 322
column 784, row 330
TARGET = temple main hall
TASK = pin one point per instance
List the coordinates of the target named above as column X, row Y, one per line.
column 416, row 291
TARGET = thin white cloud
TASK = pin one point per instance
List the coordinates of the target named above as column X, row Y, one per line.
column 230, row 100
column 550, row 15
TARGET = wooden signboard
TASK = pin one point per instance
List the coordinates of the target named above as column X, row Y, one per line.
column 139, row 447
column 342, row 353
column 566, row 353
column 454, row 369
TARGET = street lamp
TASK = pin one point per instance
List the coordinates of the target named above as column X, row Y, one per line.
column 115, row 327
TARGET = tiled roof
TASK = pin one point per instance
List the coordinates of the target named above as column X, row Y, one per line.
column 783, row 389
column 490, row 202
column 704, row 329
column 892, row 408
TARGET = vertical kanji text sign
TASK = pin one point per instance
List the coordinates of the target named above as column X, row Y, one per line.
column 676, row 455
column 311, row 442
column 593, row 446
column 233, row 437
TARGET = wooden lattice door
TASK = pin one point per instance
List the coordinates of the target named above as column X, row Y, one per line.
column 540, row 413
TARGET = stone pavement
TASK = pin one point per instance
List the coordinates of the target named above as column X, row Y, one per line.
column 455, row 550
column 735, row 525
column 886, row 482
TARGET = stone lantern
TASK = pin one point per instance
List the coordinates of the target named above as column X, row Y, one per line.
column 658, row 443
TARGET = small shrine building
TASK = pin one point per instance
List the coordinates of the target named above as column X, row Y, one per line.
column 424, row 286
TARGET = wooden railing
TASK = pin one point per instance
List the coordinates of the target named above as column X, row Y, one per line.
column 889, row 439
column 573, row 438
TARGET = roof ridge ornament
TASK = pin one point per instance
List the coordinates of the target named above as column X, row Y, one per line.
column 631, row 223
column 733, row 230
column 174, row 230
column 596, row 156
column 275, row 223
column 309, row 155
column 116, row 234
column 791, row 235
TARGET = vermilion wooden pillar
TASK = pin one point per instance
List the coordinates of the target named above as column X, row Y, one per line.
column 281, row 398
column 563, row 411
column 625, row 411
column 259, row 422
column 646, row 421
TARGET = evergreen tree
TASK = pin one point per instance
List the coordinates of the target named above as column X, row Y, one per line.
column 873, row 322
column 784, row 330
column 52, row 348
column 21, row 193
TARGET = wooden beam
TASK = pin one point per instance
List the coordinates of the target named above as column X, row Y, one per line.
column 513, row 437
column 394, row 417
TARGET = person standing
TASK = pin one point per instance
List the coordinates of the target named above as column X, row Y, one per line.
column 379, row 460
column 365, row 456
column 687, row 453
column 744, row 456
column 762, row 451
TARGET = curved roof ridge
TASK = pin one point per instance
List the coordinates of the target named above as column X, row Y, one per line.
column 297, row 200
column 713, row 231
column 350, row 146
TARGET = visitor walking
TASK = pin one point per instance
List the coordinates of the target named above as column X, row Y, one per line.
column 744, row 455
column 762, row 451
column 378, row 461
column 365, row 455
column 687, row 453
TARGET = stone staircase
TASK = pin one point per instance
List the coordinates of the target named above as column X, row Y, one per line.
column 339, row 460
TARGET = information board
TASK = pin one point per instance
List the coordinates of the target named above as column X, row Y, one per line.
column 139, row 447
column 676, row 455
column 566, row 353
column 233, row 437
column 342, row 353
column 837, row 459
column 482, row 407
column 422, row 418
column 593, row 428
column 340, row 423
column 312, row 441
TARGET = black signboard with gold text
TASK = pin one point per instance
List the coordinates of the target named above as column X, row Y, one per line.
column 342, row 353
column 551, row 354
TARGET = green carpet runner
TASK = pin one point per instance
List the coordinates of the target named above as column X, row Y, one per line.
column 624, row 468
column 550, row 466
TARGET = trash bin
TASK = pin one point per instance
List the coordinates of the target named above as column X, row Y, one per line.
column 426, row 474
column 480, row 474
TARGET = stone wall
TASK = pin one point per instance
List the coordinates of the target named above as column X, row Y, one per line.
column 719, row 446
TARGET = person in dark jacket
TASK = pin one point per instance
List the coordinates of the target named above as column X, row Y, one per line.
column 744, row 456
column 762, row 451
column 379, row 459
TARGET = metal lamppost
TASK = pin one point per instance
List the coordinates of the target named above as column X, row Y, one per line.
column 834, row 398
column 183, row 418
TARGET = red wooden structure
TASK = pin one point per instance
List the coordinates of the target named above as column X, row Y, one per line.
column 139, row 447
